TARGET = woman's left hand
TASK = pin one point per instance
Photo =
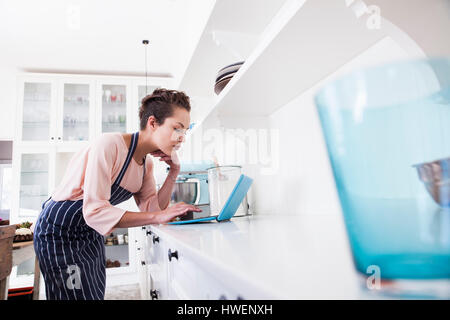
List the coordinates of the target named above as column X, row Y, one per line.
column 172, row 160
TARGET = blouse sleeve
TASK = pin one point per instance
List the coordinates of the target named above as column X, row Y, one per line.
column 98, row 212
column 147, row 197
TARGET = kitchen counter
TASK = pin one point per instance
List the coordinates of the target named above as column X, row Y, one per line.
column 278, row 256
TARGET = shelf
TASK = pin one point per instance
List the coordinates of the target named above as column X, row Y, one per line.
column 36, row 100
column 35, row 124
column 125, row 266
column 113, row 125
column 305, row 43
column 84, row 103
column 115, row 104
column 117, row 245
column 33, row 172
column 77, row 124
column 229, row 36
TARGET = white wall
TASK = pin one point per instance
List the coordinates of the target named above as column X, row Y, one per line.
column 8, row 105
column 304, row 183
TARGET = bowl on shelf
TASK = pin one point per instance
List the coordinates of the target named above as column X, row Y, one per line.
column 219, row 86
column 225, row 74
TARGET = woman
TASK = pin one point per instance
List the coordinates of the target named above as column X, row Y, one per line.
column 68, row 236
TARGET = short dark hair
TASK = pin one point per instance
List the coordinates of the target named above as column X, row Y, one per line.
column 161, row 104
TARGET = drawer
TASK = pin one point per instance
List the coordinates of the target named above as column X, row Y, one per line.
column 188, row 280
column 182, row 274
column 209, row 287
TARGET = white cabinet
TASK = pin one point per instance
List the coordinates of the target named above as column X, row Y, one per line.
column 57, row 115
column 37, row 109
column 33, row 169
column 173, row 273
column 76, row 119
column 54, row 109
column 157, row 262
column 113, row 97
column 69, row 108
column 142, row 264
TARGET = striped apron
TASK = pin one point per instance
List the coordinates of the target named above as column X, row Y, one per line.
column 71, row 254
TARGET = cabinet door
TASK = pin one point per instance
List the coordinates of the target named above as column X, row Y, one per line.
column 33, row 171
column 113, row 97
column 211, row 287
column 182, row 276
column 141, row 266
column 76, row 114
column 158, row 266
column 140, row 90
column 36, row 110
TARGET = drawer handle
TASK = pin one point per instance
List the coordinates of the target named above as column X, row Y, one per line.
column 148, row 232
column 173, row 254
column 154, row 294
column 155, row 239
column 143, row 263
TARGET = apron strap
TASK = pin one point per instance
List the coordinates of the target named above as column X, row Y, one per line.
column 144, row 167
column 133, row 145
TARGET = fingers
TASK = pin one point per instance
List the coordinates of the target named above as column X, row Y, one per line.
column 194, row 208
column 188, row 207
column 179, row 209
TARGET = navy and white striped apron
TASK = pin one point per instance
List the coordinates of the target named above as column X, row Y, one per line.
column 71, row 254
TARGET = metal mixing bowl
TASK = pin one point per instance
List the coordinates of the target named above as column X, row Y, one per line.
column 436, row 177
column 184, row 192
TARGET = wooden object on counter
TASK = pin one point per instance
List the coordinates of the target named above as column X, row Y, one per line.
column 6, row 245
column 22, row 251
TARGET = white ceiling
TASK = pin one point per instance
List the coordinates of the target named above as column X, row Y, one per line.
column 100, row 36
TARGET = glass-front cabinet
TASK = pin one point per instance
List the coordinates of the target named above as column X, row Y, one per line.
column 76, row 112
column 114, row 108
column 57, row 115
column 36, row 111
column 55, row 109
column 33, row 182
column 38, row 99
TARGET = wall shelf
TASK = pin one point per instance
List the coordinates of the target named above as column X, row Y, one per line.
column 303, row 44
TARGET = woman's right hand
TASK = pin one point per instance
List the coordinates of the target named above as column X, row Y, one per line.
column 178, row 209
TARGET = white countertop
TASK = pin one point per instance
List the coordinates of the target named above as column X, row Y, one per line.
column 281, row 256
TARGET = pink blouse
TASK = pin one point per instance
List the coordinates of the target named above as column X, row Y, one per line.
column 91, row 173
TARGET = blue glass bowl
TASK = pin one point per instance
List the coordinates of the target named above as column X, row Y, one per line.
column 384, row 127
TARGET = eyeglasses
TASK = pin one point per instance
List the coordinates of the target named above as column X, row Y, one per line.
column 183, row 132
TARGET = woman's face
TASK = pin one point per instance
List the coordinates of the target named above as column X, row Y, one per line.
column 169, row 136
